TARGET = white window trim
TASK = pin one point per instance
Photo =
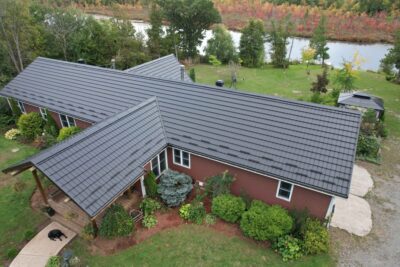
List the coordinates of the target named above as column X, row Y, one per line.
column 158, row 161
column 69, row 125
column 181, row 163
column 43, row 113
column 21, row 106
column 290, row 194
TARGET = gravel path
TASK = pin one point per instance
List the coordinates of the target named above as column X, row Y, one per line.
column 382, row 246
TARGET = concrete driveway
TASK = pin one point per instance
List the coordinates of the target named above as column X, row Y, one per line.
column 354, row 213
column 41, row 248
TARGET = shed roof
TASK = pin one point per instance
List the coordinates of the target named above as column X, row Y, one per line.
column 95, row 166
column 167, row 67
column 307, row 144
column 360, row 99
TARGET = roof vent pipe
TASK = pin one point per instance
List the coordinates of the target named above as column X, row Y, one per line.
column 113, row 63
column 182, row 72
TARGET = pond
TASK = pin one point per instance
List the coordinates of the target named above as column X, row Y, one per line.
column 338, row 51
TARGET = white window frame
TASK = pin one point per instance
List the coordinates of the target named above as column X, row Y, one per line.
column 290, row 193
column 66, row 116
column 181, row 157
column 158, row 162
column 43, row 113
column 21, row 106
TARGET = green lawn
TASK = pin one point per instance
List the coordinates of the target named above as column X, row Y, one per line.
column 295, row 83
column 16, row 216
column 193, row 245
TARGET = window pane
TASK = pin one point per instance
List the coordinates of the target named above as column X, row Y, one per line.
column 21, row 106
column 64, row 121
column 286, row 186
column 163, row 164
column 177, row 156
column 71, row 121
column 154, row 166
column 284, row 194
column 185, row 159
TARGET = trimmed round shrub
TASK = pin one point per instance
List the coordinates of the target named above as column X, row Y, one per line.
column 116, row 223
column 67, row 132
column 11, row 253
column 149, row 206
column 263, row 222
column 150, row 184
column 315, row 236
column 149, row 221
column 30, row 125
column 174, row 187
column 228, row 207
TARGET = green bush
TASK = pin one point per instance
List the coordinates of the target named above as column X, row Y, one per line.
column 149, row 206
column 30, row 125
column 53, row 261
column 197, row 212
column 51, row 126
column 263, row 222
column 219, row 184
column 150, row 184
column 67, row 132
column 149, row 221
column 210, row 219
column 368, row 146
column 315, row 237
column 174, row 187
column 192, row 74
column 88, row 232
column 289, row 247
column 380, row 129
column 299, row 220
column 29, row 234
column 16, row 112
column 6, row 115
column 116, row 223
column 228, row 207
column 184, row 211
column 11, row 253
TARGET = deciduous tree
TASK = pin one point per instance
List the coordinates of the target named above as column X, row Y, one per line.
column 392, row 59
column 319, row 41
column 278, row 37
column 221, row 45
column 252, row 44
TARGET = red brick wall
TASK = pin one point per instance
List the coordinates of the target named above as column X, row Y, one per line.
column 81, row 124
column 255, row 185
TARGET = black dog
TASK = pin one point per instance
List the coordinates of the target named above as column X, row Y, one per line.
column 53, row 234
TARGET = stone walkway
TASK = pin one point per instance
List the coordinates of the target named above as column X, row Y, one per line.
column 41, row 248
column 354, row 213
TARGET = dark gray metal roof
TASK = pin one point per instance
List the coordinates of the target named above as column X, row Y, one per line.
column 167, row 67
column 361, row 100
column 97, row 165
column 307, row 144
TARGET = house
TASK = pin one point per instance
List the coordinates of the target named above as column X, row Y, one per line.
column 362, row 102
column 295, row 154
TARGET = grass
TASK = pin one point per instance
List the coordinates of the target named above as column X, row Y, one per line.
column 193, row 245
column 294, row 83
column 16, row 216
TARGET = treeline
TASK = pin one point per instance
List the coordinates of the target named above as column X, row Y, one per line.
column 370, row 7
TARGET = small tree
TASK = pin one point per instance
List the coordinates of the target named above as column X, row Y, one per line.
column 320, row 85
column 174, row 187
column 155, row 32
column 392, row 59
column 252, row 44
column 345, row 77
column 51, row 126
column 30, row 125
column 319, row 41
column 221, row 45
column 150, row 184
column 213, row 60
column 307, row 55
column 219, row 184
column 278, row 38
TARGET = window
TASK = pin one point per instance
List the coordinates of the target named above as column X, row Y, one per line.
column 43, row 113
column 21, row 106
column 181, row 158
column 284, row 190
column 159, row 163
column 67, row 121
